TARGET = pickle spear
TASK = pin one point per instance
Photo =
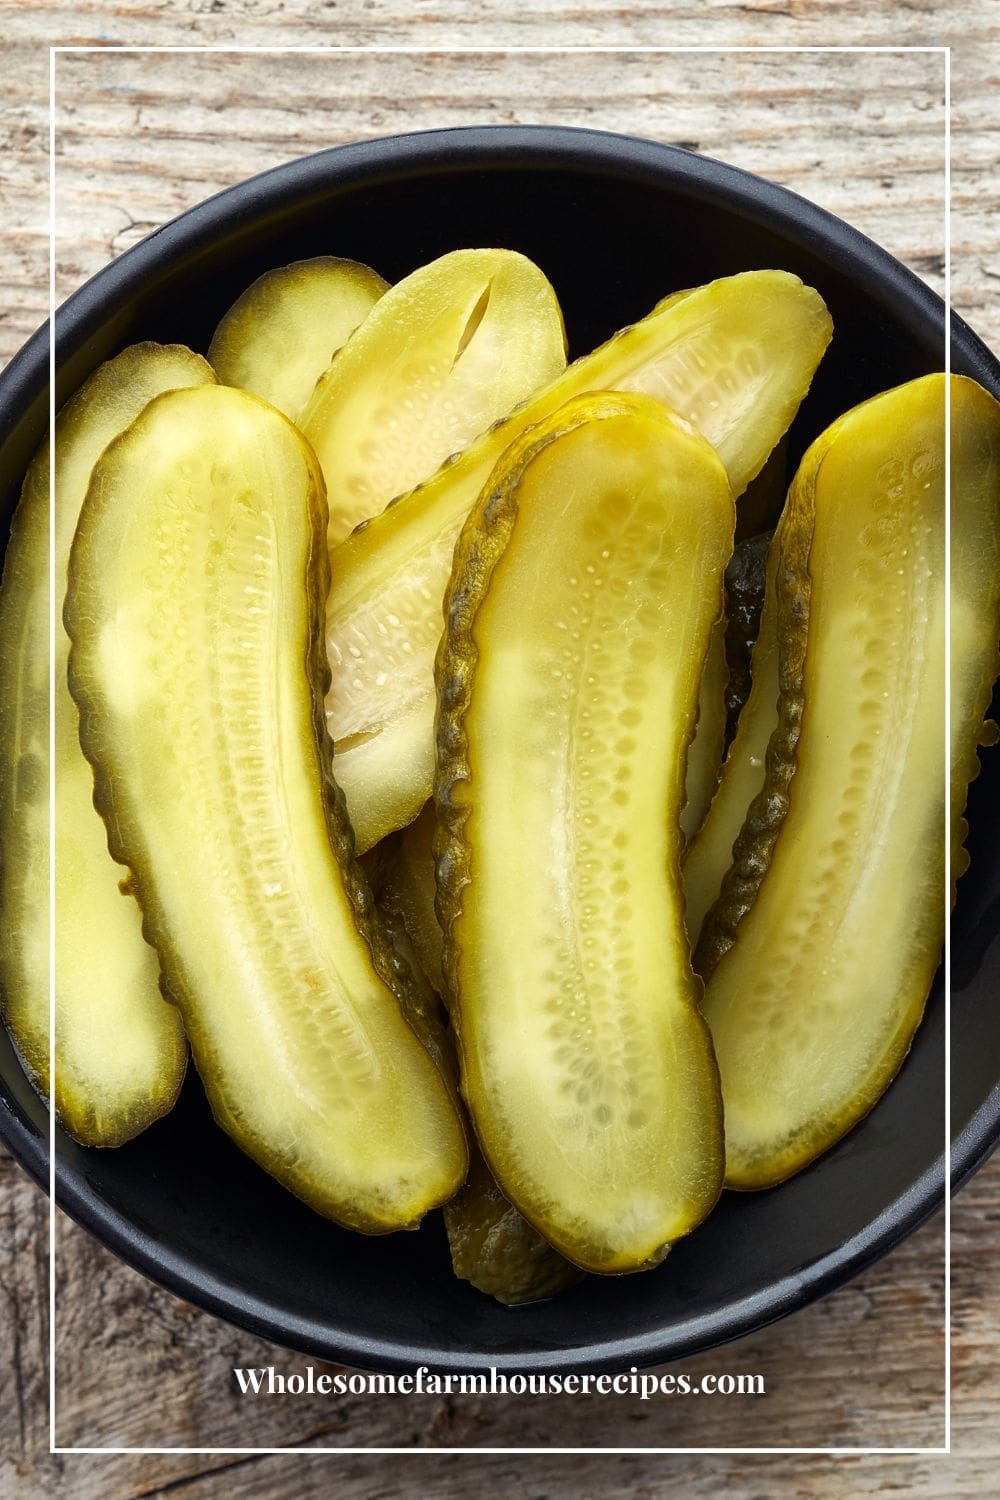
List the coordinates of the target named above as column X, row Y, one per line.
column 447, row 351
column 120, row 1048
column 586, row 584
column 820, row 952
column 197, row 581
column 735, row 358
column 280, row 336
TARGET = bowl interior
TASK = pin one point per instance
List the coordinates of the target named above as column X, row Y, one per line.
column 615, row 225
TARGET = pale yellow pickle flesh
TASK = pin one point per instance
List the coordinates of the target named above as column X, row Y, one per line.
column 279, row 337
column 449, row 350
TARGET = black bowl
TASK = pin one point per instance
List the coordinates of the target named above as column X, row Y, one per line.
column 615, row 223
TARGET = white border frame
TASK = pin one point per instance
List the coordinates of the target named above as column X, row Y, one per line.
column 422, row 51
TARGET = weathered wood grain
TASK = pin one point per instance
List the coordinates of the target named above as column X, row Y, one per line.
column 779, row 134
column 863, row 1366
column 139, row 141
column 868, row 146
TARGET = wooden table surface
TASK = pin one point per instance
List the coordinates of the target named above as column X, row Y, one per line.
column 141, row 137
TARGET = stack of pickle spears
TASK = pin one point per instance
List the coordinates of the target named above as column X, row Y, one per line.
column 495, row 829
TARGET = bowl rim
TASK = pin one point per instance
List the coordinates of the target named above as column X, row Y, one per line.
column 270, row 193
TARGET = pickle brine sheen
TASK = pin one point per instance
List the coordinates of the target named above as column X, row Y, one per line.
column 197, row 582
column 586, row 585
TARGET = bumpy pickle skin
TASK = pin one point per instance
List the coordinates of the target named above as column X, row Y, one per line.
column 496, row 1250
column 709, row 855
column 821, row 950
column 279, row 337
column 746, row 586
column 449, row 350
column 586, row 584
column 120, row 1048
column 735, row 358
column 197, row 581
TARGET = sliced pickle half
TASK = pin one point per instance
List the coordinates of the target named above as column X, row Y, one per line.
column 586, row 585
column 279, row 337
column 820, row 952
column 120, row 1048
column 197, row 582
column 449, row 350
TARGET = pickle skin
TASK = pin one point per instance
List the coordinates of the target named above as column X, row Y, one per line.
column 809, row 1037
column 409, row 890
column 121, row 1053
column 746, row 582
column 496, row 1250
column 709, row 855
column 300, row 1014
column 389, row 576
column 609, row 1197
column 706, row 749
column 279, row 337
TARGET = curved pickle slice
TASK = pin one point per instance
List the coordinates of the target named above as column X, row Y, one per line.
column 279, row 337
column 735, row 358
column 120, row 1048
column 568, row 680
column 197, row 582
column 823, row 945
column 709, row 855
column 447, row 351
